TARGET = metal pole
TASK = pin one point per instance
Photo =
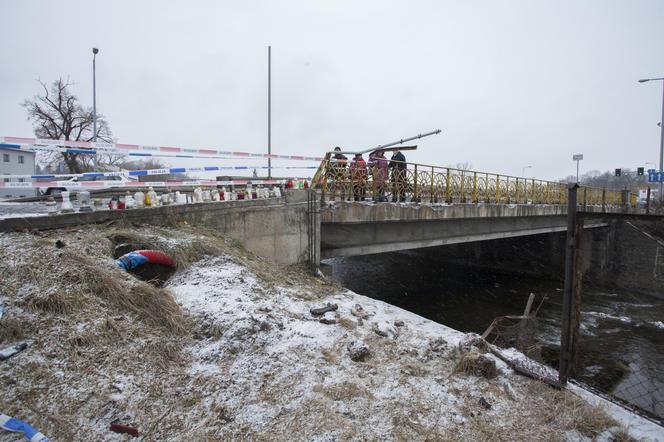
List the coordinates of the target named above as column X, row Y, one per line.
column 577, row 171
column 416, row 137
column 661, row 146
column 269, row 110
column 94, row 94
column 394, row 143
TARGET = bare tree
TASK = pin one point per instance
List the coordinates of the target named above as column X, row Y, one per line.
column 57, row 114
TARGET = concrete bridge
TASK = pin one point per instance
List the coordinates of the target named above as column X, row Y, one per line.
column 353, row 228
column 298, row 228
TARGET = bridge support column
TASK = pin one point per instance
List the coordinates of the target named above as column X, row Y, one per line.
column 313, row 230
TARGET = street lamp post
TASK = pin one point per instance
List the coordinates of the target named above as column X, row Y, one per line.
column 523, row 170
column 577, row 157
column 95, row 51
column 661, row 135
column 269, row 111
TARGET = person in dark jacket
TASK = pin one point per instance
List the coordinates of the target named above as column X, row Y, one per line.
column 398, row 168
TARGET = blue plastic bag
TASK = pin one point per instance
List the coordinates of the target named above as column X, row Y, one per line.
column 18, row 426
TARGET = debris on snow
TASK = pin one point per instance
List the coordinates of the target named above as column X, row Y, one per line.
column 117, row 427
column 358, row 351
column 322, row 310
column 8, row 352
column 328, row 318
column 478, row 365
column 472, row 342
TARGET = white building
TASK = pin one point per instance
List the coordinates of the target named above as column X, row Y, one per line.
column 16, row 162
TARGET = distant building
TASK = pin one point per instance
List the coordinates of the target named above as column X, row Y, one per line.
column 16, row 162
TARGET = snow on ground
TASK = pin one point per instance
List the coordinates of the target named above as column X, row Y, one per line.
column 252, row 361
column 280, row 361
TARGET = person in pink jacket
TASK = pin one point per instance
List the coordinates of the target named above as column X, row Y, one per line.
column 378, row 164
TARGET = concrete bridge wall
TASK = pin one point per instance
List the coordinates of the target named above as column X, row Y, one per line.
column 274, row 228
column 359, row 229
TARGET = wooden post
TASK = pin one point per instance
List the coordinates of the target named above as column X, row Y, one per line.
column 522, row 340
column 569, row 339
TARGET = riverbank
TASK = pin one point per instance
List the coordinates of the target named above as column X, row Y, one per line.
column 229, row 347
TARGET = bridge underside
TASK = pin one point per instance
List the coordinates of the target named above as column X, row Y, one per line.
column 344, row 231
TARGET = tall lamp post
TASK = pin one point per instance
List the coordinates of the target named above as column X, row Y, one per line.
column 523, row 170
column 269, row 111
column 95, row 51
column 577, row 157
column 661, row 135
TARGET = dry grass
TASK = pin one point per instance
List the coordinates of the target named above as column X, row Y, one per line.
column 544, row 414
column 11, row 329
column 347, row 323
column 59, row 301
column 344, row 391
column 330, row 355
column 103, row 332
column 477, row 364
column 153, row 305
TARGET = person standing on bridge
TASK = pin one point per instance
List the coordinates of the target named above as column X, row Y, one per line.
column 398, row 167
column 378, row 165
column 358, row 175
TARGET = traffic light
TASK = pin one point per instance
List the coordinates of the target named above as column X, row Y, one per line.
column 639, row 171
column 618, row 172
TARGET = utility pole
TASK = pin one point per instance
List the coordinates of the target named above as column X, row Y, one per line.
column 269, row 110
column 577, row 158
column 661, row 136
column 95, row 51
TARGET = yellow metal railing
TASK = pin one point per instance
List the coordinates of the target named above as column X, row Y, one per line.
column 432, row 184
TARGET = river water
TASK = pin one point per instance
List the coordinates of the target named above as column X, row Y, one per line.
column 622, row 334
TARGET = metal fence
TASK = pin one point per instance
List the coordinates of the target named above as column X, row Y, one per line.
column 404, row 181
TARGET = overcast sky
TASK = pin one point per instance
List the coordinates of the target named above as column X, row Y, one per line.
column 510, row 83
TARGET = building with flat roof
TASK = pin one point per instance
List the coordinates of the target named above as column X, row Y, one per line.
column 16, row 162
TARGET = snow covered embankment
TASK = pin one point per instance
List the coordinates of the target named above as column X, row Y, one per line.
column 369, row 370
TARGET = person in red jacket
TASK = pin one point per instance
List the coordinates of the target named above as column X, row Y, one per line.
column 378, row 165
column 358, row 175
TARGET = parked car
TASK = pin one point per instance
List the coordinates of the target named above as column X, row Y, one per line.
column 120, row 180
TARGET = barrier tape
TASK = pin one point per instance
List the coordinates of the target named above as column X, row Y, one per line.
column 145, row 172
column 89, row 147
column 110, row 184
column 32, row 148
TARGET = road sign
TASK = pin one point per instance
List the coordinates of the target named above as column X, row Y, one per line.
column 577, row 157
